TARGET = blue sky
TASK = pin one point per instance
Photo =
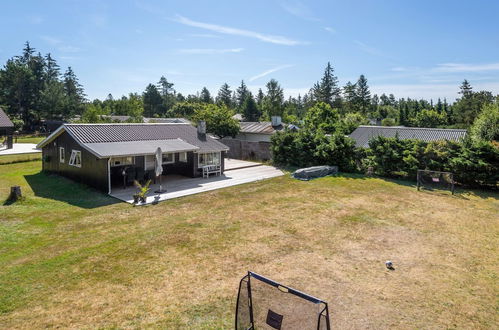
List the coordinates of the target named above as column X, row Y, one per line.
column 409, row 48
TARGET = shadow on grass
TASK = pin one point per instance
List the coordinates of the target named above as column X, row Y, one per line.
column 61, row 189
column 460, row 192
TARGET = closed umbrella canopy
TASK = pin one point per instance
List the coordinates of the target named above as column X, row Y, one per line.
column 159, row 160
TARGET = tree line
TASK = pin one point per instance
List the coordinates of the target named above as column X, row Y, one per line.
column 33, row 88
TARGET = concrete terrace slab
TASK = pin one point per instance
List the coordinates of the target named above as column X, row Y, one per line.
column 20, row 148
column 178, row 186
column 232, row 164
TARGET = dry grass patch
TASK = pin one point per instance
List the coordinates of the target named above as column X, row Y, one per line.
column 90, row 263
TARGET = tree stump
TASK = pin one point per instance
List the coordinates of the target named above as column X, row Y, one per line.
column 15, row 194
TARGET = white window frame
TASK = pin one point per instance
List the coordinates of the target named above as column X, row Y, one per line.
column 62, row 155
column 200, row 165
column 114, row 159
column 75, row 159
column 182, row 157
column 168, row 161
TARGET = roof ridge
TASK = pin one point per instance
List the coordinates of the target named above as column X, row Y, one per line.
column 414, row 128
column 122, row 124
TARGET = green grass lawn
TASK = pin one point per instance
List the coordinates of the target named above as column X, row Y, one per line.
column 10, row 159
column 30, row 139
column 71, row 257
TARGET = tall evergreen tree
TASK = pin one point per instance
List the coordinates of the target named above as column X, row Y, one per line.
column 363, row 95
column 74, row 94
column 167, row 92
column 273, row 100
column 52, row 69
column 225, row 95
column 205, row 96
column 327, row 89
column 349, row 97
column 250, row 109
column 241, row 94
column 153, row 102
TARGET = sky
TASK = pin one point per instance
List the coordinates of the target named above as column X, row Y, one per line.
column 417, row 49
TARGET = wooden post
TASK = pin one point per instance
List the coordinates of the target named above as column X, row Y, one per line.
column 15, row 193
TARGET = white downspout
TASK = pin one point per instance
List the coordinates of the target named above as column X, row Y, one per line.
column 109, row 175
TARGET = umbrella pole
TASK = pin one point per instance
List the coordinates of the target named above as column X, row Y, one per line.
column 160, row 191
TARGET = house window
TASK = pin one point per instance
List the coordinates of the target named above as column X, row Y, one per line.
column 168, row 158
column 182, row 157
column 75, row 159
column 120, row 161
column 62, row 158
column 210, row 158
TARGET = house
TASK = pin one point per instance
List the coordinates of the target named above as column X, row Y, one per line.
column 253, row 140
column 7, row 130
column 363, row 134
column 110, row 155
column 124, row 119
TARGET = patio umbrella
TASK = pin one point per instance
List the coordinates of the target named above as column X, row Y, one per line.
column 159, row 168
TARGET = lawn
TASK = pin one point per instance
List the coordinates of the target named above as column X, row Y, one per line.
column 73, row 258
column 30, row 139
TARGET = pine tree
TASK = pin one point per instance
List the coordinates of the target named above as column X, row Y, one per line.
column 225, row 95
column 327, row 89
column 440, row 106
column 205, row 96
column 250, row 109
column 273, row 100
column 165, row 88
column 363, row 95
column 241, row 94
column 52, row 69
column 74, row 94
column 349, row 97
column 153, row 102
column 465, row 89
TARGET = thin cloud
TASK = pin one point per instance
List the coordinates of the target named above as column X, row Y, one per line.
column 266, row 73
column 461, row 67
column 279, row 40
column 204, row 35
column 35, row 19
column 299, row 9
column 330, row 30
column 210, row 51
column 51, row 40
column 69, row 49
column 368, row 49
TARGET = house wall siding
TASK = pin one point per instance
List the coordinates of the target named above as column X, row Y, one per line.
column 93, row 171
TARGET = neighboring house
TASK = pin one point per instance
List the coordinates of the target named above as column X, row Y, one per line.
column 124, row 119
column 7, row 130
column 100, row 154
column 363, row 134
column 253, row 140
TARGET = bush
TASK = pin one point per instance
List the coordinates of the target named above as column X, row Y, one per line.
column 473, row 164
column 306, row 148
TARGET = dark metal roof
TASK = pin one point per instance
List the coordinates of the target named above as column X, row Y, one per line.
column 87, row 134
column 4, row 120
column 264, row 127
column 363, row 134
